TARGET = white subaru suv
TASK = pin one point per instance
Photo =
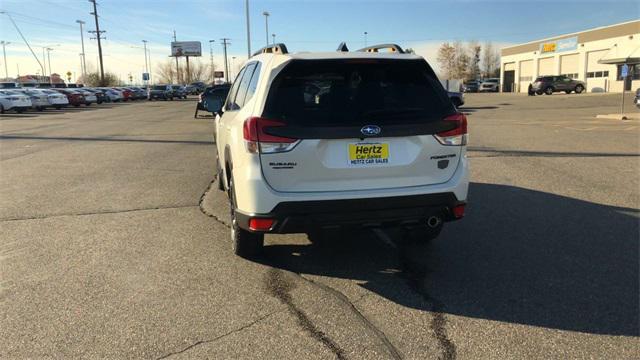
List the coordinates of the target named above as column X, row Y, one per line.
column 310, row 141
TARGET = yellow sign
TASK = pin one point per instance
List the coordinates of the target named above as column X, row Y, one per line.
column 549, row 47
column 69, row 73
column 368, row 154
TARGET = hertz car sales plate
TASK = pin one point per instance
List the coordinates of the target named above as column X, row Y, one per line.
column 365, row 154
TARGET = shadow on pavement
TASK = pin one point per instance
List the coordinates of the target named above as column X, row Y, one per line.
column 105, row 139
column 519, row 256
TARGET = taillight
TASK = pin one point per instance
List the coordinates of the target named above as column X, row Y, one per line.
column 257, row 140
column 458, row 211
column 456, row 136
column 258, row 224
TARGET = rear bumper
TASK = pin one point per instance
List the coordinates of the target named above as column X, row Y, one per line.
column 302, row 216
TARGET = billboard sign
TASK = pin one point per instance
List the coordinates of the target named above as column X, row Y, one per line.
column 186, row 48
column 568, row 44
column 218, row 74
column 145, row 76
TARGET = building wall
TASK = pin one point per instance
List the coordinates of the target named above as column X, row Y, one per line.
column 577, row 61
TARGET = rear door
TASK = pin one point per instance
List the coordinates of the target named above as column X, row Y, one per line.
column 362, row 124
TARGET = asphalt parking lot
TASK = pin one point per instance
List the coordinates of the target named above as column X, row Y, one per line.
column 113, row 245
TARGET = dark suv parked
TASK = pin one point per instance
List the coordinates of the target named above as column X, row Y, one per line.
column 550, row 84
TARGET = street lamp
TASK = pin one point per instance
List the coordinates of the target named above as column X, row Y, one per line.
column 274, row 38
column 211, row 59
column 4, row 53
column 83, row 63
column 44, row 60
column 232, row 68
column 146, row 66
column 266, row 25
column 365, row 38
column 49, row 61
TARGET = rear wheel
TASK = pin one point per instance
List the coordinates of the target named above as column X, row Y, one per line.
column 244, row 243
column 568, row 91
column 1, row 109
column 579, row 89
column 548, row 91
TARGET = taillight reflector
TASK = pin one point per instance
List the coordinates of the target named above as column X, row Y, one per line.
column 257, row 224
column 458, row 211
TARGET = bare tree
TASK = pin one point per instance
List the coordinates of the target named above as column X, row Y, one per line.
column 474, row 50
column 198, row 71
column 93, row 79
column 490, row 60
column 447, row 60
column 462, row 60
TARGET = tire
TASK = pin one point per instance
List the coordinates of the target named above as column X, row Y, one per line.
column 57, row 107
column 548, row 90
column 20, row 111
column 539, row 92
column 220, row 177
column 244, row 243
column 76, row 105
column 568, row 91
column 579, row 89
column 1, row 109
column 40, row 108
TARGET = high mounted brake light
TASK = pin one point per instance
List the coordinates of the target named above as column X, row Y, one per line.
column 257, row 140
column 456, row 136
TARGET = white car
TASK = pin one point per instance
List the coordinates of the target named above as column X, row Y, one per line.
column 89, row 97
column 56, row 99
column 39, row 100
column 490, row 85
column 312, row 141
column 13, row 100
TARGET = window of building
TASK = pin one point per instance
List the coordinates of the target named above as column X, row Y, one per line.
column 634, row 72
column 571, row 76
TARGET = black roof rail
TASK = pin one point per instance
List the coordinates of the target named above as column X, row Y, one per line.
column 377, row 48
column 342, row 47
column 279, row 48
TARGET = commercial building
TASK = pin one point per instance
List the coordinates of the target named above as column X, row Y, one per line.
column 595, row 56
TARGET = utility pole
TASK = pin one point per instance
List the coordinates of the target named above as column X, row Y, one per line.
column 226, row 66
column 213, row 80
column 246, row 7
column 44, row 60
column 4, row 53
column 266, row 26
column 233, row 60
column 177, row 67
column 83, row 63
column 98, row 37
column 150, row 68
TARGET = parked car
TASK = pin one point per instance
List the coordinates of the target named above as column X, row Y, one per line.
column 126, row 93
column 75, row 98
column 209, row 100
column 178, row 92
column 636, row 100
column 366, row 149
column 550, row 84
column 89, row 97
column 471, row 86
column 39, row 100
column 138, row 93
column 101, row 96
column 8, row 85
column 12, row 100
column 199, row 86
column 457, row 98
column 113, row 95
column 56, row 100
column 163, row 92
column 490, row 85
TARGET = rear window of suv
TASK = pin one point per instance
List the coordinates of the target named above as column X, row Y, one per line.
column 344, row 92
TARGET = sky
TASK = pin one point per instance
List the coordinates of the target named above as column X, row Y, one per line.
column 303, row 25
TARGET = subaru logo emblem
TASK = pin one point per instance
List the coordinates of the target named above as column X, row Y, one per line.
column 370, row 130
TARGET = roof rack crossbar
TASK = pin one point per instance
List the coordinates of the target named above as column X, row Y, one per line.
column 377, row 48
column 279, row 48
column 342, row 47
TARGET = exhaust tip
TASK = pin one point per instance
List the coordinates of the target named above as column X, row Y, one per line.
column 433, row 221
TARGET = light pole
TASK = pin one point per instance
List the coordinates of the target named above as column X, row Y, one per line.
column 274, row 38
column 146, row 66
column 150, row 68
column 4, row 53
column 246, row 8
column 83, row 63
column 233, row 58
column 44, row 60
column 49, row 61
column 266, row 25
column 211, row 59
column 365, row 38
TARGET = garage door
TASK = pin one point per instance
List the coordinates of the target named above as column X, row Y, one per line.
column 545, row 66
column 596, row 78
column 526, row 75
column 569, row 65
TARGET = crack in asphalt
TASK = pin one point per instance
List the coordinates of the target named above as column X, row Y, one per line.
column 395, row 354
column 97, row 213
column 279, row 288
column 202, row 208
column 415, row 278
column 201, row 342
